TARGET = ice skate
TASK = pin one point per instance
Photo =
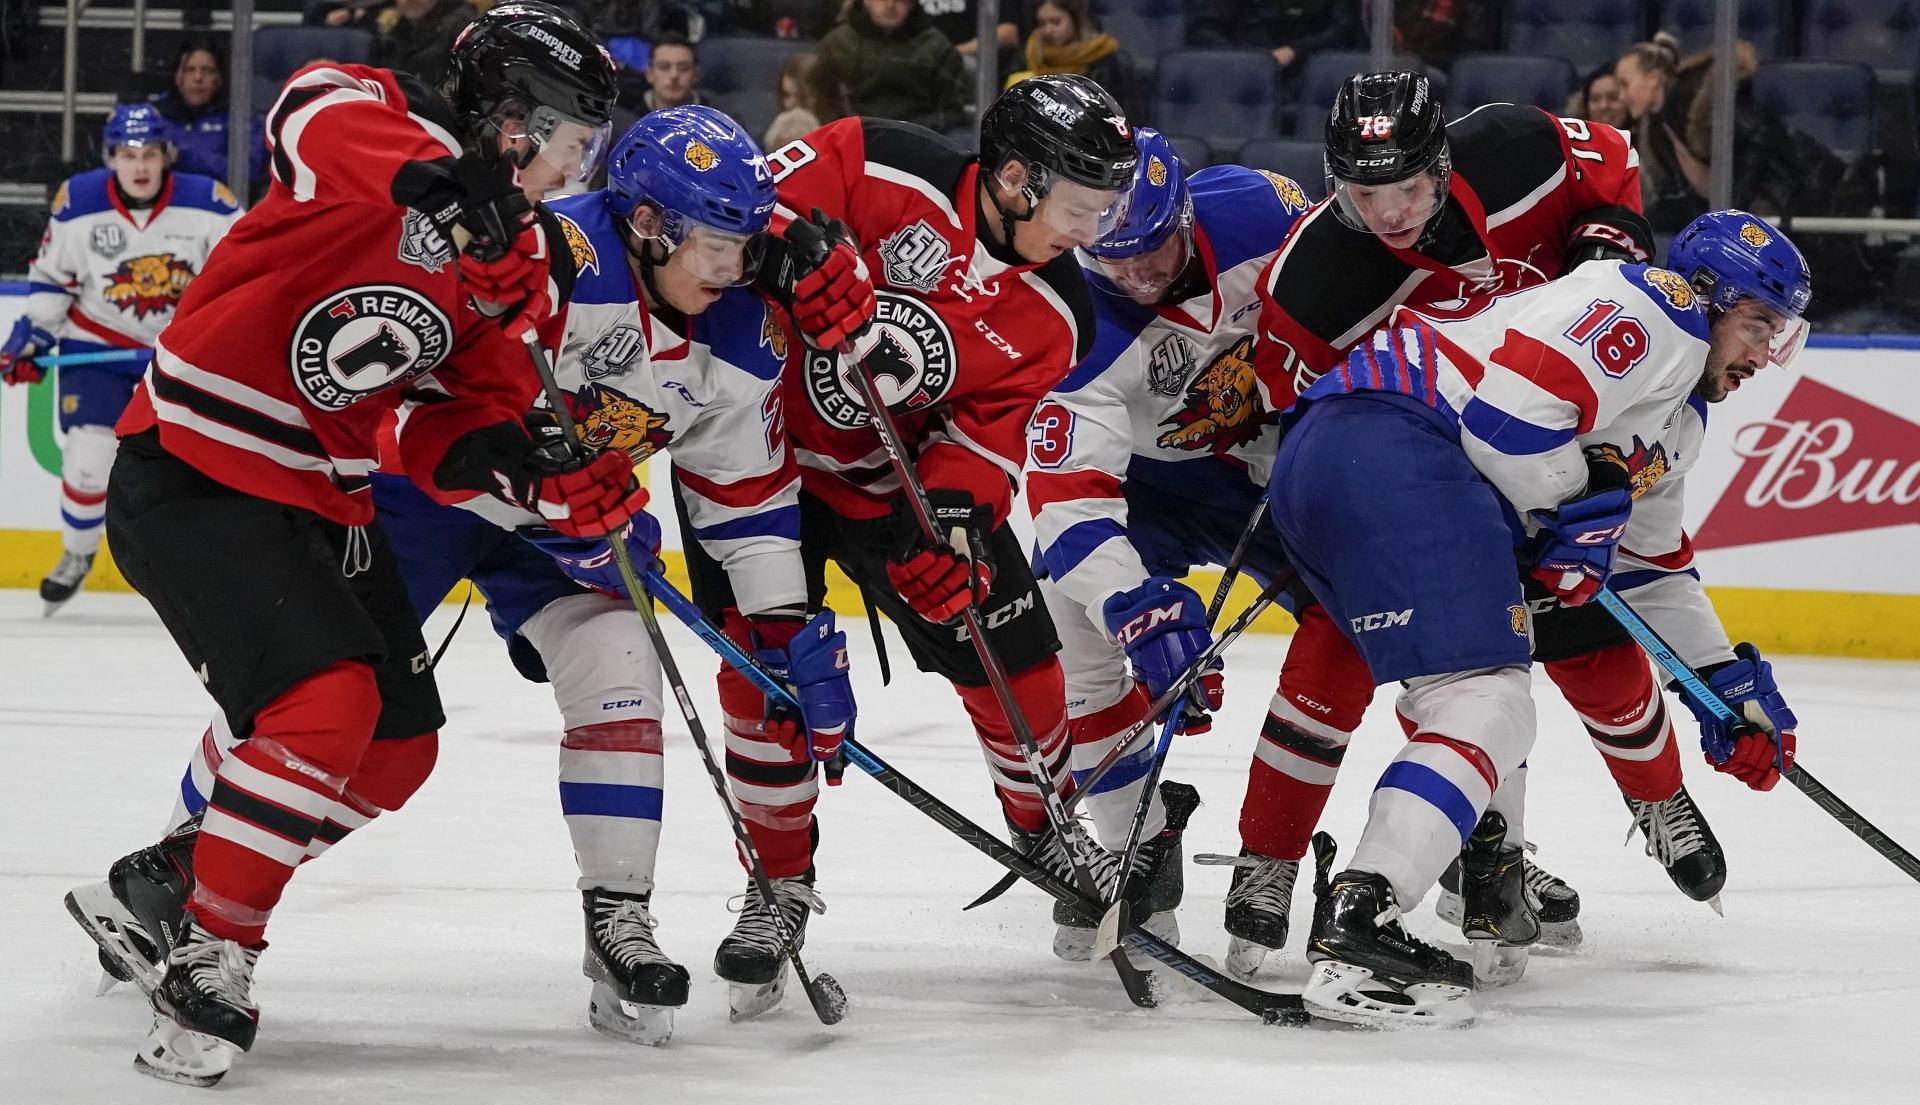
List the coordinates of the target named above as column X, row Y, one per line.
column 1554, row 902
column 1678, row 836
column 1256, row 906
column 64, row 581
column 753, row 957
column 203, row 1010
column 1367, row 969
column 136, row 913
column 636, row 987
column 1498, row 921
column 1074, row 928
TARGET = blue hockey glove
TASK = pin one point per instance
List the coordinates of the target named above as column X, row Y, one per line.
column 1758, row 750
column 1577, row 543
column 16, row 357
column 589, row 561
column 1163, row 626
column 811, row 658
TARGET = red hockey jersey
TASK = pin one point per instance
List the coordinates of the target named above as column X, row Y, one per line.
column 968, row 336
column 1526, row 187
column 292, row 346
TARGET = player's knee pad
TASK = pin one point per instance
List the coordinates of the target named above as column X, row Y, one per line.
column 1325, row 686
column 1612, row 686
column 598, row 658
column 1093, row 665
column 325, row 719
column 392, row 770
column 87, row 458
column 1487, row 713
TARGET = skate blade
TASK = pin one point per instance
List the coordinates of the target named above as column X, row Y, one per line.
column 1244, row 957
column 1715, row 903
column 100, row 916
column 631, row 1022
column 176, row 1054
column 745, row 1001
column 1496, row 964
column 1350, row 994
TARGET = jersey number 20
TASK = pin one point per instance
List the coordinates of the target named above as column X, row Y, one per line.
column 1618, row 341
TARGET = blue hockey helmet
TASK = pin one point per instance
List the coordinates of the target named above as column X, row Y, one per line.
column 705, row 176
column 1160, row 210
column 1730, row 255
column 137, row 125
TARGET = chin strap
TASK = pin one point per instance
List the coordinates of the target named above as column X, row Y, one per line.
column 1007, row 218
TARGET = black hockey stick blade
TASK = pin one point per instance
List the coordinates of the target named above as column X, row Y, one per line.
column 1001, row 887
column 1850, row 819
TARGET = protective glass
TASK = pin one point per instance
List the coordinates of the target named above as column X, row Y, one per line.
column 572, row 148
column 1392, row 209
column 1145, row 275
column 1787, row 344
column 1083, row 214
column 717, row 258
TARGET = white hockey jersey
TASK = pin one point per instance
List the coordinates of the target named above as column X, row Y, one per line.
column 1603, row 360
column 710, row 394
column 1167, row 396
column 110, row 276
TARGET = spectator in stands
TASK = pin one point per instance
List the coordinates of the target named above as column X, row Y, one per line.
column 197, row 104
column 1599, row 100
column 959, row 20
column 896, row 65
column 673, row 74
column 1438, row 31
column 1065, row 39
column 1291, row 29
column 416, row 36
column 809, row 99
column 360, row 14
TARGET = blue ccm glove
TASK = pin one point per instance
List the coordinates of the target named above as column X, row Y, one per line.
column 1163, row 626
column 26, row 342
column 1760, row 748
column 810, row 657
column 589, row 561
column 1577, row 543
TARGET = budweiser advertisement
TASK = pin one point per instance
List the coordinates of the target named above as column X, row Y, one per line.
column 1810, row 479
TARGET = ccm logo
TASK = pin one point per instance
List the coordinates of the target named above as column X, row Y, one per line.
column 1385, row 619
column 1608, row 536
column 623, row 703
column 1148, row 622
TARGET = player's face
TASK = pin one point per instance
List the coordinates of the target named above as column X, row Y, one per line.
column 557, row 151
column 1147, row 277
column 141, row 170
column 706, row 262
column 1069, row 216
column 1743, row 341
column 1397, row 212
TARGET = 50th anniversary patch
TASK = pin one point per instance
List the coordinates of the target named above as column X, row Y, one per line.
column 361, row 339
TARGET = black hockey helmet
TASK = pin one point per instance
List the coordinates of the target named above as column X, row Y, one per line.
column 536, row 63
column 1062, row 127
column 1385, row 128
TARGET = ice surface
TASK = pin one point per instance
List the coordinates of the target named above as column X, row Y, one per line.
column 436, row 956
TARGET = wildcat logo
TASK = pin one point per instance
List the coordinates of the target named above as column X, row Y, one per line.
column 610, row 420
column 773, row 336
column 148, row 285
column 912, row 362
column 1751, row 234
column 1156, row 171
column 364, row 339
column 1169, row 365
column 60, row 199
column 700, row 157
column 422, row 244
column 1223, row 407
column 1517, row 620
column 585, row 257
column 1292, row 196
column 1644, row 466
column 1672, row 285
column 225, row 195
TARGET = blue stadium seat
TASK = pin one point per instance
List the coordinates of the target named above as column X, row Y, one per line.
column 1303, row 160
column 1764, row 23
column 1882, row 33
column 1320, row 81
column 1832, row 101
column 1223, row 96
column 278, row 51
column 1490, row 78
column 741, row 76
column 1588, row 33
column 1144, row 27
column 1195, row 153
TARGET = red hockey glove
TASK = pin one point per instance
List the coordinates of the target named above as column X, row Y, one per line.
column 510, row 283
column 26, row 342
column 829, row 289
column 941, row 580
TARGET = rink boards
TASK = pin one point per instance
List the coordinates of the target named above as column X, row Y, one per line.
column 1805, row 510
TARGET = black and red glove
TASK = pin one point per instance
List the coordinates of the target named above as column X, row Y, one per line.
column 941, row 579
column 823, row 281
column 511, row 283
column 476, row 204
column 591, row 499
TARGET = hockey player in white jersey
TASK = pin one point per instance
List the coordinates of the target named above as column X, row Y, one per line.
column 1146, row 461
column 121, row 246
column 1406, row 477
column 658, row 348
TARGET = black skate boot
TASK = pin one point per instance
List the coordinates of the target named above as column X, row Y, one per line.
column 1367, row 968
column 64, row 581
column 203, row 1010
column 1556, row 904
column 137, row 912
column 753, row 957
column 1678, row 836
column 636, row 987
column 1499, row 920
column 1257, row 905
column 1159, row 879
column 1074, row 928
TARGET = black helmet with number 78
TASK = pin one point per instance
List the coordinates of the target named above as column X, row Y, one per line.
column 526, row 69
column 1064, row 128
column 1387, row 159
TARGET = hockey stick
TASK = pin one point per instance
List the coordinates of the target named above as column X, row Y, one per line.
column 1240, row 550
column 1138, row 986
column 111, row 356
column 1268, row 1006
column 828, row 999
column 1846, row 815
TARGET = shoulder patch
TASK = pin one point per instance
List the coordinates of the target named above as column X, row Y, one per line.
column 1672, row 285
column 1292, row 196
column 60, row 200
column 224, row 194
column 586, row 259
column 1667, row 290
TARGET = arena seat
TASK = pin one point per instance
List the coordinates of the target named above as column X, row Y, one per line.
column 1490, row 78
column 1882, row 33
column 740, row 75
column 279, row 51
column 1764, row 23
column 1588, row 33
column 1222, row 96
column 1302, row 159
column 1832, row 101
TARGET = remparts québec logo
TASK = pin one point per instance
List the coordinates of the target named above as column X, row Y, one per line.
column 363, row 339
column 912, row 364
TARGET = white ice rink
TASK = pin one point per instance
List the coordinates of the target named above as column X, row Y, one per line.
column 436, row 956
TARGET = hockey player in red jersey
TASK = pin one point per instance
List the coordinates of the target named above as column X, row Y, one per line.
column 239, row 503
column 955, row 280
